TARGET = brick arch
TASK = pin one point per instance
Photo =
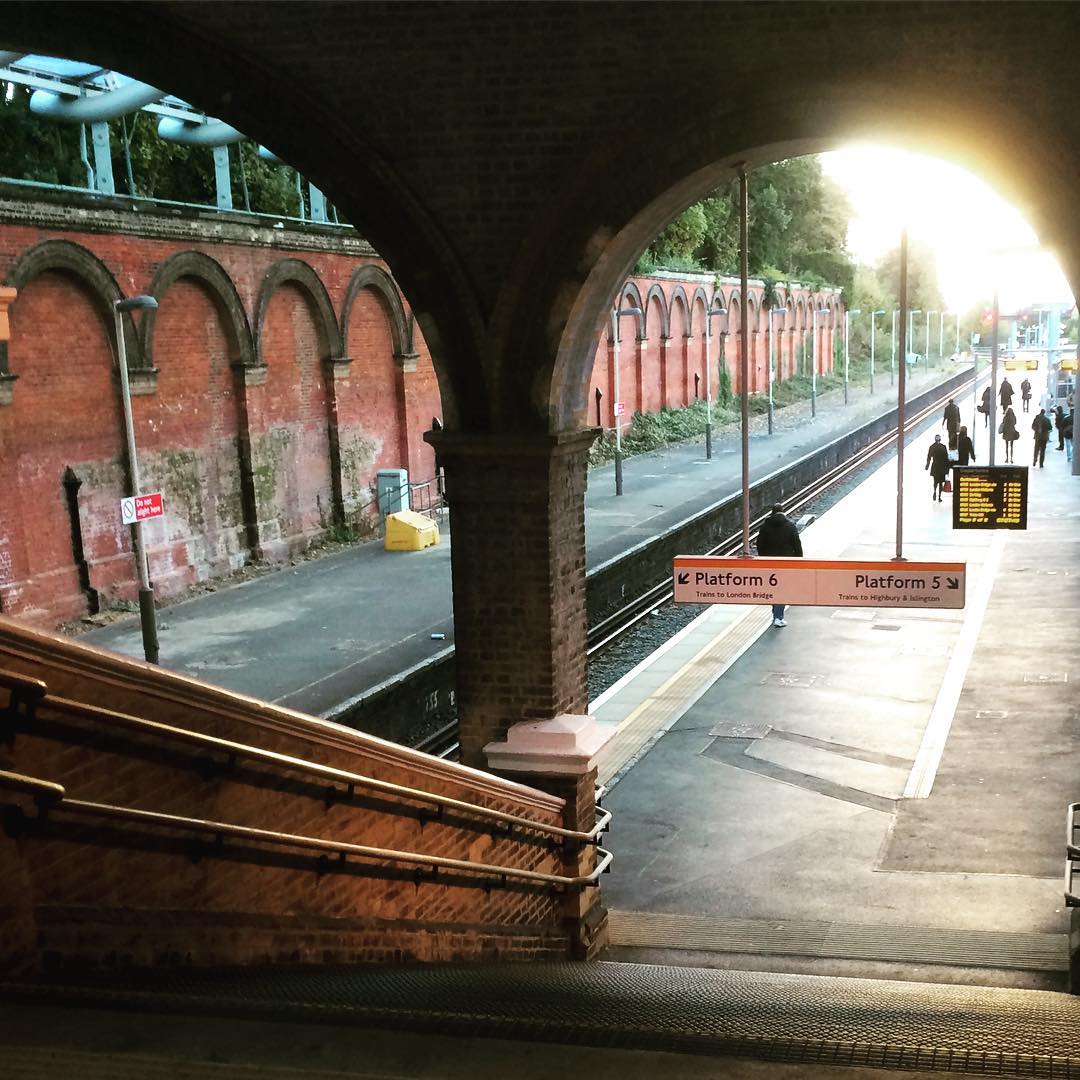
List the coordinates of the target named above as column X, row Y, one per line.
column 630, row 296
column 656, row 293
column 298, row 273
column 218, row 285
column 678, row 297
column 700, row 297
column 381, row 283
column 73, row 260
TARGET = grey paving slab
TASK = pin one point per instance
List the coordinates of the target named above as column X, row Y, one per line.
column 315, row 634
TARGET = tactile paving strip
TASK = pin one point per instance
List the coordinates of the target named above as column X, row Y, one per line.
column 763, row 1015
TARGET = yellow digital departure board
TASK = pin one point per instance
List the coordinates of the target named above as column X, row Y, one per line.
column 990, row 497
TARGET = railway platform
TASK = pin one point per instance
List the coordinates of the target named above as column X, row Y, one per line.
column 878, row 792
column 316, row 634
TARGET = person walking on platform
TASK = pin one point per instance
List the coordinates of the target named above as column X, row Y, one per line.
column 1067, row 433
column 1025, row 394
column 984, row 408
column 1041, row 426
column 937, row 461
column 1059, row 419
column 1008, row 430
column 965, row 448
column 779, row 535
column 1006, row 392
column 951, row 421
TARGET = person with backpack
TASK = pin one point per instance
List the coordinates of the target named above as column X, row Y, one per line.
column 1008, row 430
column 779, row 535
column 1025, row 394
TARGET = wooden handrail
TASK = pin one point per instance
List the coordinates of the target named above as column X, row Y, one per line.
column 24, row 686
column 220, row 829
column 241, row 751
column 42, row 790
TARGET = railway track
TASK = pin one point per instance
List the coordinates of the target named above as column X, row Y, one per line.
column 443, row 742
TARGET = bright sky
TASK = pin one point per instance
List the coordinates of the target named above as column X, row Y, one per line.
column 953, row 212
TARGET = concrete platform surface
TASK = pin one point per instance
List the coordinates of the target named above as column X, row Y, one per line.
column 868, row 789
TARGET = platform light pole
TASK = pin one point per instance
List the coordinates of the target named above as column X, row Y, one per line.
column 772, row 311
column 147, row 615
column 847, row 325
column 993, row 375
column 617, row 403
column 910, row 334
column 873, row 328
column 892, row 354
column 941, row 337
column 813, row 373
column 957, row 349
column 928, row 314
column 709, row 315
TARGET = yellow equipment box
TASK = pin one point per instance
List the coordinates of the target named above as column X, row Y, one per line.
column 410, row 531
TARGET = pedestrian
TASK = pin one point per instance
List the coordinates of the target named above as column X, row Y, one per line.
column 965, row 448
column 1006, row 392
column 937, row 461
column 984, row 408
column 1008, row 430
column 951, row 421
column 779, row 535
column 1041, row 426
column 1067, row 432
column 1059, row 419
column 1025, row 394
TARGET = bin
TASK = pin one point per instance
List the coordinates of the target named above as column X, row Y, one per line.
column 410, row 531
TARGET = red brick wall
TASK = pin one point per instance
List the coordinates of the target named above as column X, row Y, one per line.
column 94, row 905
column 66, row 402
column 655, row 373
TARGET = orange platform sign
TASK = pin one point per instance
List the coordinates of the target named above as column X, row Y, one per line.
column 713, row 579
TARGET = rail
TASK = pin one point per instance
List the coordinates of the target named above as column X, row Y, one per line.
column 220, row 830
column 620, row 622
column 236, row 752
column 1072, row 853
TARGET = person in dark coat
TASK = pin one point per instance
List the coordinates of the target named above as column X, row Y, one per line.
column 1059, row 421
column 1067, row 432
column 1025, row 394
column 1006, row 392
column 1008, row 430
column 1041, row 426
column 951, row 421
column 779, row 535
column 965, row 448
column 984, row 408
column 937, row 461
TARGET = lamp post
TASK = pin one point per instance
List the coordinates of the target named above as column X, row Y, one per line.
column 928, row 314
column 617, row 404
column 813, row 374
column 708, row 375
column 847, row 324
column 147, row 616
column 941, row 337
column 772, row 311
column 957, row 349
column 873, row 327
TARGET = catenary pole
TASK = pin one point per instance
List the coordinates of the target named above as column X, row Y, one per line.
column 900, row 402
column 744, row 360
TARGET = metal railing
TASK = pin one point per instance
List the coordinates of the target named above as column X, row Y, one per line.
column 346, row 782
column 52, row 800
column 1072, row 854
